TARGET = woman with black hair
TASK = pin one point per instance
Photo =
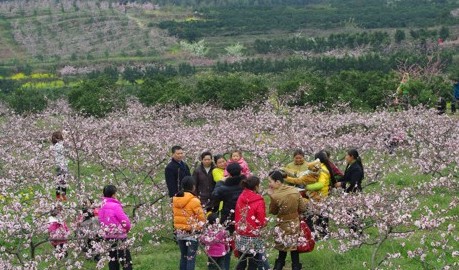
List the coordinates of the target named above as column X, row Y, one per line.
column 250, row 219
column 228, row 192
column 286, row 203
column 188, row 222
column 205, row 183
column 115, row 225
column 298, row 165
column 352, row 183
column 318, row 191
column 353, row 176
column 326, row 179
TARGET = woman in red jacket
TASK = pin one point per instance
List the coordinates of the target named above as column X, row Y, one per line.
column 250, row 218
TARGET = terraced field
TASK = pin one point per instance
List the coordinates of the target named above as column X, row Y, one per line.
column 82, row 31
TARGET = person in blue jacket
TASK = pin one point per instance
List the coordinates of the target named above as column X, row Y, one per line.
column 456, row 90
column 455, row 103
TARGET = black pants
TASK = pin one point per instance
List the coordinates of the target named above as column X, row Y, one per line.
column 59, row 248
column 88, row 247
column 218, row 264
column 294, row 255
column 356, row 225
column 119, row 256
column 318, row 222
column 61, row 189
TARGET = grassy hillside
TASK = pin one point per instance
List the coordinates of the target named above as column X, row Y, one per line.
column 87, row 32
column 83, row 31
column 73, row 40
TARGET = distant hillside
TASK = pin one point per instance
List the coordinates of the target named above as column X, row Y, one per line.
column 87, row 32
column 74, row 30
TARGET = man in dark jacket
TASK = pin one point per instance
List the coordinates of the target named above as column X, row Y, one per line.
column 203, row 178
column 228, row 192
column 176, row 170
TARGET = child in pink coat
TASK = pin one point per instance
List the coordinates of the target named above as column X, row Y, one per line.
column 236, row 157
column 216, row 241
column 57, row 229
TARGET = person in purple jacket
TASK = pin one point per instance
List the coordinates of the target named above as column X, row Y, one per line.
column 216, row 242
column 115, row 224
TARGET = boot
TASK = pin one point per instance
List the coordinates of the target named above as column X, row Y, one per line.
column 297, row 266
column 61, row 197
column 278, row 265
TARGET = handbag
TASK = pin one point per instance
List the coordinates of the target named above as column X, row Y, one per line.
column 306, row 242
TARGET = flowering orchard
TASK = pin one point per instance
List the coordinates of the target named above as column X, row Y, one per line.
column 410, row 196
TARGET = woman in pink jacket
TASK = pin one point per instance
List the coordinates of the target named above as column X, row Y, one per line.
column 115, row 224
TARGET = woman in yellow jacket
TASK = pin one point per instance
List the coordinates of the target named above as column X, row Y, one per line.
column 305, row 177
column 319, row 191
column 189, row 220
column 218, row 173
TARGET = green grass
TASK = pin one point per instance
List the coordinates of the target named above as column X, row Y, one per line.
column 166, row 256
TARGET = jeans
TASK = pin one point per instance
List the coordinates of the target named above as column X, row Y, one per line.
column 219, row 263
column 188, row 250
column 228, row 259
column 257, row 262
column 265, row 263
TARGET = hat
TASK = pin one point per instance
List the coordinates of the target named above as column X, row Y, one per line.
column 234, row 169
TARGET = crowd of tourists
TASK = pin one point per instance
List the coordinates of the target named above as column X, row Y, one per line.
column 219, row 206
column 229, row 195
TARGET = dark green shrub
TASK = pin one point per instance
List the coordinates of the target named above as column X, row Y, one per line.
column 399, row 35
column 97, row 97
column 132, row 74
column 7, row 86
column 27, row 100
column 232, row 90
column 160, row 90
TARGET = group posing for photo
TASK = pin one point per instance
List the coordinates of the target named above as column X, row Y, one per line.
column 229, row 194
column 220, row 207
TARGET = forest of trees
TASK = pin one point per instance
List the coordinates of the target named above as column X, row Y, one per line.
column 272, row 66
column 320, row 44
column 237, row 19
